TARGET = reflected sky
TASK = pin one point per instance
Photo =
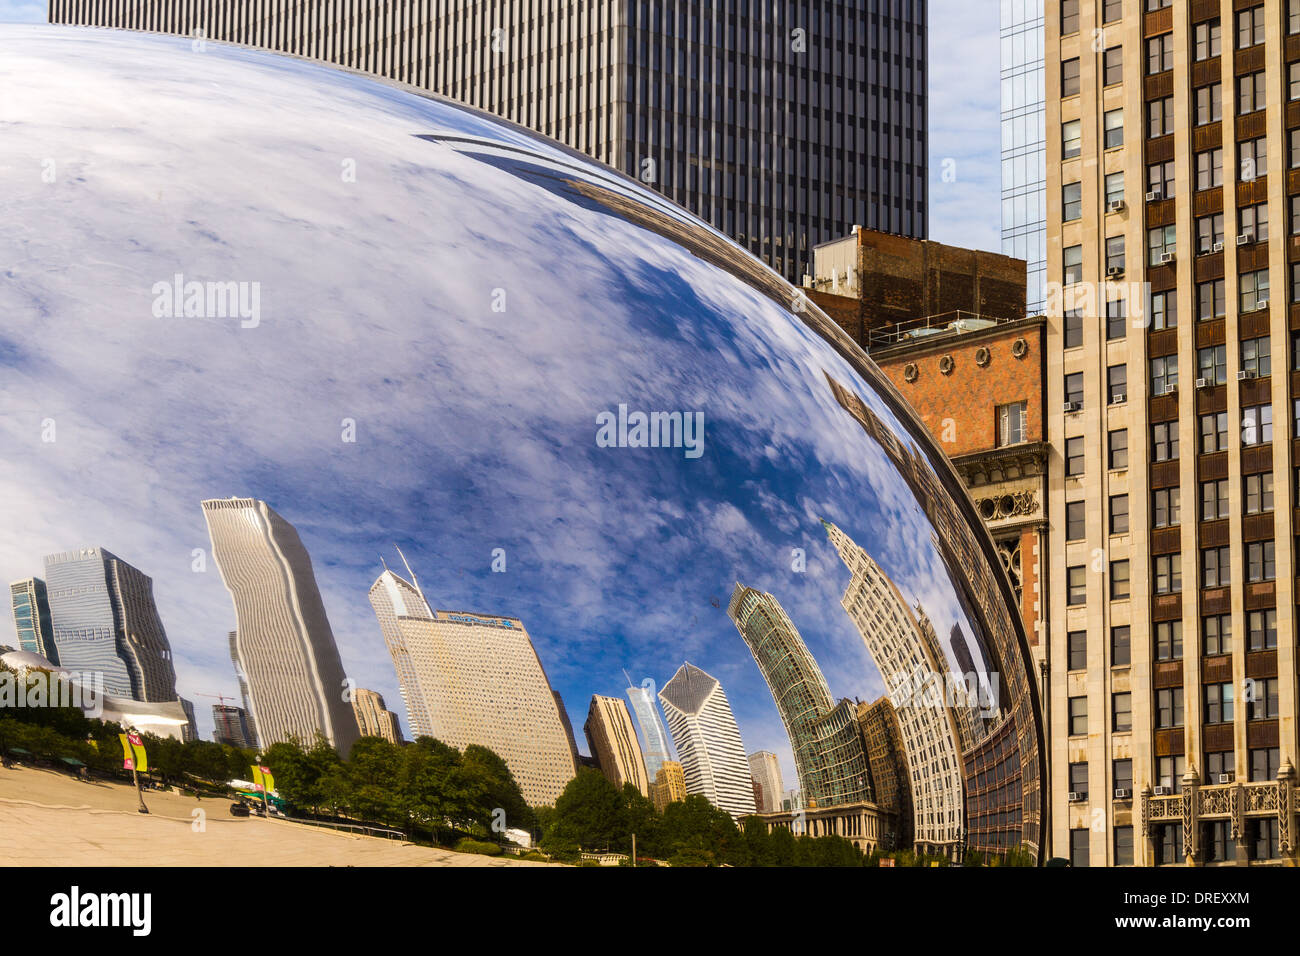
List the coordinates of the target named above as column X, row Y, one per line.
column 475, row 428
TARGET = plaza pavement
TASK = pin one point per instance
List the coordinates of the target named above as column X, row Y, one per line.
column 50, row 819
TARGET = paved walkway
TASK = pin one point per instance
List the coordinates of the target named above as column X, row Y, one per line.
column 51, row 819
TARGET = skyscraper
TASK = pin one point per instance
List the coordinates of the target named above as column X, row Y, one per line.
column 780, row 125
column 479, row 681
column 230, row 725
column 373, row 718
column 32, row 618
column 283, row 646
column 766, row 771
column 882, row 737
column 654, row 738
column 827, row 745
column 707, row 740
column 905, row 659
column 1173, row 144
column 104, row 619
column 669, row 785
column 612, row 740
column 1024, row 146
column 191, row 729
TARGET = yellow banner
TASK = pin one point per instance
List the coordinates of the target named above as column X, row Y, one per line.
column 262, row 779
column 133, row 755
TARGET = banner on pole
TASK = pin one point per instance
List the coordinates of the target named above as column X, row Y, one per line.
column 133, row 755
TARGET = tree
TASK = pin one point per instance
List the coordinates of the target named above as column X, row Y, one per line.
column 590, row 813
column 643, row 820
column 489, row 775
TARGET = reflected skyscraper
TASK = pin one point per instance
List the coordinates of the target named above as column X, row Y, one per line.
column 613, row 743
column 1024, row 144
column 230, row 725
column 654, row 738
column 31, row 610
column 766, row 771
column 104, row 619
column 708, row 740
column 374, row 719
column 904, row 656
column 827, row 746
column 478, row 680
column 283, row 646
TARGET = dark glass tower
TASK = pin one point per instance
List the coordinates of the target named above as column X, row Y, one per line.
column 782, row 124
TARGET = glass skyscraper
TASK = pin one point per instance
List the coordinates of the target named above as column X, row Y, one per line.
column 782, row 124
column 1024, row 150
column 32, row 618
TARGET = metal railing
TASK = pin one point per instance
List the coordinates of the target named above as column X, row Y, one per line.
column 385, row 832
column 913, row 329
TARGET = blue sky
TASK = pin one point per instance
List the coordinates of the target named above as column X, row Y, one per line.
column 964, row 90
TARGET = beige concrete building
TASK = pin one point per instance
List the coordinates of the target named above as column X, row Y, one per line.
column 479, row 681
column 373, row 718
column 1173, row 185
column 766, row 772
column 612, row 739
column 669, row 785
column 862, row 824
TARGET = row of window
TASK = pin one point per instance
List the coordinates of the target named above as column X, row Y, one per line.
column 1167, row 639
column 1217, row 706
column 1217, row 843
column 1167, row 571
column 1166, row 510
column 1264, row 765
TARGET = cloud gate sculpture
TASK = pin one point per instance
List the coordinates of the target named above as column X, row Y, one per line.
column 375, row 390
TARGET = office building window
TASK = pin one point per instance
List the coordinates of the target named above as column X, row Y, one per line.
column 1074, row 389
column 1077, row 645
column 1260, row 565
column 1072, row 322
column 1261, row 630
column 1071, row 139
column 1257, row 424
column 1160, row 119
column 1078, row 716
column 1209, row 234
column 1164, row 374
column 1163, row 310
column 1251, row 93
column 1259, row 493
column 1112, row 66
column 1209, row 168
column 1264, row 763
column 1069, row 17
column 1076, row 582
column 1076, row 516
column 1117, row 449
column 1250, row 27
column 1215, row 570
column 1209, row 103
column 1252, row 159
column 1211, row 301
column 1119, row 579
column 1162, row 245
column 1072, row 260
column 1217, row 843
column 1074, row 456
column 1261, row 698
column 1214, row 432
column 1168, row 839
column 1164, row 441
column 1218, row 704
column 1123, row 837
column 1121, row 712
column 1257, row 357
column 1169, row 640
column 1169, row 575
column 1169, row 707
column 1160, row 54
column 1072, row 201
column 1170, row 770
column 1114, row 187
column 1252, row 222
column 1263, row 838
column 1216, row 633
column 1079, row 780
column 1119, row 514
column 1070, row 77
column 1121, row 772
column 1116, row 319
column 1160, row 179
column 1165, row 507
column 1114, row 255
column 1116, row 384
column 1113, row 129
column 1212, row 364
column 1012, row 423
column 1120, row 649
column 1214, row 499
column 1207, row 38
column 1253, row 290
column 1079, row 847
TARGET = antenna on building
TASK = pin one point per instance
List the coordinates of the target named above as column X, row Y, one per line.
column 414, row 582
column 383, row 562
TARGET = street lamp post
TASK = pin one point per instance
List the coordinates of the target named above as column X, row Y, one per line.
column 135, row 774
